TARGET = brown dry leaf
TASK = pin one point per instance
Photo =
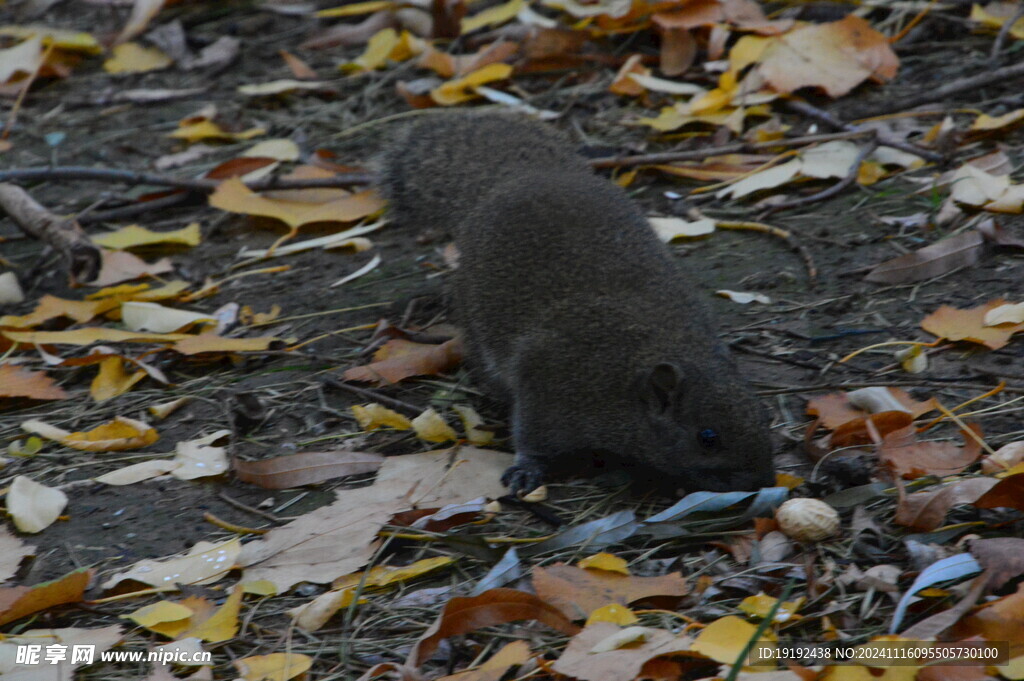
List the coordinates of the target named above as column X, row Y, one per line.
column 121, row 266
column 306, row 468
column 857, row 432
column 497, row 606
column 580, row 660
column 926, row 511
column 331, row 541
column 1002, row 557
column 910, row 459
column 298, row 67
column 18, row 601
column 835, row 409
column 999, row 620
column 1007, row 493
column 143, row 12
column 962, row 250
column 399, row 359
column 955, row 325
column 577, row 592
column 232, row 195
column 835, row 56
column 1004, row 458
column 17, row 381
column 209, row 342
column 740, row 13
column 447, row 476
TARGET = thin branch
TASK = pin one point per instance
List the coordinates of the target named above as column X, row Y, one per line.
column 850, row 178
column 1007, row 74
column 199, row 185
column 1004, row 32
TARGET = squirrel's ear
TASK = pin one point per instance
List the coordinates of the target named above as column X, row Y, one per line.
column 659, row 387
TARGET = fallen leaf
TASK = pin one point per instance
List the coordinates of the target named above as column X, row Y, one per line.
column 998, row 620
column 399, row 359
column 942, row 257
column 956, row 325
column 103, row 639
column 1002, row 557
column 10, row 289
column 18, row 601
column 724, row 639
column 431, row 427
column 112, row 379
column 298, row 67
column 835, row 409
column 471, row 422
column 25, row 58
column 52, row 307
column 33, row 506
column 282, row 86
column 134, row 236
column 373, row 416
column 497, row 606
column 463, row 89
column 121, row 266
column 1007, row 493
column 585, row 659
column 134, row 58
column 88, row 336
column 577, row 592
column 232, row 195
column 193, row 131
column 12, row 552
column 164, row 617
column 280, row 149
column 743, row 297
column 306, row 468
column 1005, row 314
column 273, row 667
column 996, row 14
column 17, row 381
column 673, row 228
column 911, row 459
column 835, row 56
column 118, row 435
column 1003, row 459
column 210, row 342
column 204, row 563
column 926, row 511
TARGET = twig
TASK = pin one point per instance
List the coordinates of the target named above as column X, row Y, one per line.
column 133, row 209
column 332, row 382
column 850, row 178
column 794, row 245
column 255, row 511
column 1006, row 74
column 199, row 185
column 63, row 234
column 735, row 148
column 1004, row 31
column 804, row 108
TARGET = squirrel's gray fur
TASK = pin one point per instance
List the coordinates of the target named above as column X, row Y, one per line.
column 581, row 317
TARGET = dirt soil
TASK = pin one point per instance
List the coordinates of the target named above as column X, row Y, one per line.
column 789, row 348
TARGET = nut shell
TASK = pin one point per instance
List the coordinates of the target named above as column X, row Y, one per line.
column 807, row 520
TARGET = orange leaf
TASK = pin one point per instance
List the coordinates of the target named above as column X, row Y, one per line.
column 399, row 359
column 969, row 325
column 18, row 382
column 18, row 601
column 911, row 459
column 577, row 592
column 496, row 606
column 52, row 307
column 835, row 409
column 232, row 195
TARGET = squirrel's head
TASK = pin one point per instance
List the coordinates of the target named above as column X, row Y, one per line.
column 708, row 432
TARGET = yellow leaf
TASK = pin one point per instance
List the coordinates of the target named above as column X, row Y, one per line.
column 273, row 667
column 383, row 575
column 73, row 41
column 52, row 307
column 870, row 172
column 724, row 639
column 260, row 587
column 134, row 236
column 614, row 613
column 373, row 416
column 996, row 20
column 165, row 618
column 91, row 335
column 143, row 292
column 232, row 195
column 471, row 422
column 134, row 58
column 378, row 49
column 760, row 604
column 208, row 130
column 492, row 16
column 605, row 561
column 120, row 434
column 208, row 342
column 788, row 480
column 279, row 149
column 986, row 122
column 462, row 89
column 710, row 102
column 280, row 87
column 431, row 427
column 223, row 624
column 356, row 9
column 112, row 380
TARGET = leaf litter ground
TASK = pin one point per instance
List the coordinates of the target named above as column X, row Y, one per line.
column 278, row 403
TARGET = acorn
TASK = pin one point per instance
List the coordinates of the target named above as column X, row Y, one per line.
column 807, row 520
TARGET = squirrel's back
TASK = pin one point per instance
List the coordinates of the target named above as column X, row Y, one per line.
column 573, row 307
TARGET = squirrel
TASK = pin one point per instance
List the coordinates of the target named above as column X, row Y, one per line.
column 576, row 312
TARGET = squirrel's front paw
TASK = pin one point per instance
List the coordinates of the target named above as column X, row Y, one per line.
column 522, row 478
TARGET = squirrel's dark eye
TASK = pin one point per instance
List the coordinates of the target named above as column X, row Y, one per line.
column 708, row 438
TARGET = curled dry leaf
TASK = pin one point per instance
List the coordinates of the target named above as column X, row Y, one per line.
column 19, row 601
column 399, row 359
column 431, row 427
